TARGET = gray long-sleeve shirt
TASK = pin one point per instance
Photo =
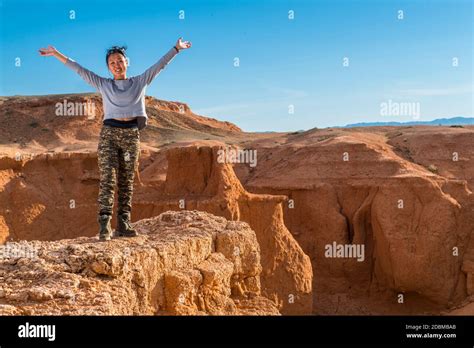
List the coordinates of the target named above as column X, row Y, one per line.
column 124, row 98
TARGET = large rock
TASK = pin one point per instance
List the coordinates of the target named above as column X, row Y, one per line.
column 189, row 263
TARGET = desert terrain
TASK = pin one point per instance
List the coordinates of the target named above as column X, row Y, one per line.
column 232, row 238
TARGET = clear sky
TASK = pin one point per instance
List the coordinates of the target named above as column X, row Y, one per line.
column 283, row 61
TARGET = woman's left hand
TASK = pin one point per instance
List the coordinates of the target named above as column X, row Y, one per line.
column 181, row 45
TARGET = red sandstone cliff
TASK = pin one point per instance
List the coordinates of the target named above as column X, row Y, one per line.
column 404, row 193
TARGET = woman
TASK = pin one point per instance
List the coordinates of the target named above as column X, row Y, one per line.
column 119, row 144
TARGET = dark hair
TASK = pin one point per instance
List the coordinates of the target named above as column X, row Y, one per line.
column 115, row 49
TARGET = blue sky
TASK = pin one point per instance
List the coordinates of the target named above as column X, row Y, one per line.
column 283, row 62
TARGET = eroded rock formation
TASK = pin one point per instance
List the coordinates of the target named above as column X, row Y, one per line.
column 33, row 208
column 403, row 193
column 186, row 262
column 416, row 226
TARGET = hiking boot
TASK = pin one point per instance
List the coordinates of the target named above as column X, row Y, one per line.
column 123, row 226
column 105, row 232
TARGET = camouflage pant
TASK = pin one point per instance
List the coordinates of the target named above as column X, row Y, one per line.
column 118, row 153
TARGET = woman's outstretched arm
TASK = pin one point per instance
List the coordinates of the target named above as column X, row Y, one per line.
column 155, row 69
column 91, row 78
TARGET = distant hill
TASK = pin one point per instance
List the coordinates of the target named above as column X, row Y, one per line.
column 35, row 119
column 438, row 122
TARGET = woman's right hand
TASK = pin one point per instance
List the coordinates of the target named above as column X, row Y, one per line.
column 49, row 51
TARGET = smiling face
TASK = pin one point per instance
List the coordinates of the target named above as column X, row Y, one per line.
column 117, row 64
